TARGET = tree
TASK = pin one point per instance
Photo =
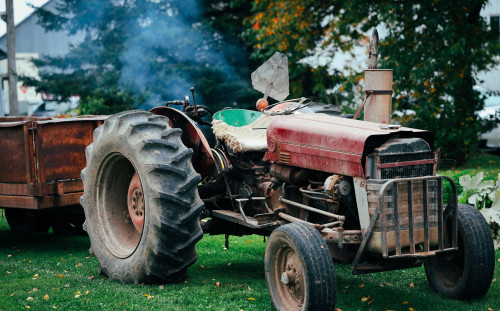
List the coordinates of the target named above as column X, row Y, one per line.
column 142, row 53
column 436, row 49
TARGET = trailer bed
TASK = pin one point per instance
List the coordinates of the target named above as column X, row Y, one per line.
column 41, row 160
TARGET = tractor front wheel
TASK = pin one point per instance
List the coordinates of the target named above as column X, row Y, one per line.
column 141, row 199
column 299, row 269
column 466, row 273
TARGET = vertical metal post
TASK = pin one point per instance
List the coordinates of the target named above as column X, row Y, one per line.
column 385, row 252
column 440, row 214
column 395, row 189
column 426, row 216
column 11, row 59
column 410, row 216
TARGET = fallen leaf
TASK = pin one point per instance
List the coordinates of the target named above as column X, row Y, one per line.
column 28, row 307
column 249, row 288
column 490, row 309
column 54, row 307
column 412, row 285
column 86, row 293
column 8, row 272
column 36, row 275
column 338, row 309
column 29, row 298
column 362, row 285
column 46, row 297
column 62, row 259
column 91, row 277
column 248, row 242
column 217, row 283
column 76, row 296
column 229, row 264
column 365, row 298
column 148, row 296
column 405, row 302
column 370, row 302
column 89, row 256
column 60, row 276
column 67, row 285
column 9, row 256
column 202, row 266
column 79, row 264
column 161, row 287
column 35, row 289
column 12, row 295
column 251, row 299
column 411, row 309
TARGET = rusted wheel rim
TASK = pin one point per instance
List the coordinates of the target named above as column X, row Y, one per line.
column 118, row 232
column 289, row 278
column 135, row 201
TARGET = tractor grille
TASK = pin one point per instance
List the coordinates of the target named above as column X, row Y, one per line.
column 385, row 159
column 408, row 212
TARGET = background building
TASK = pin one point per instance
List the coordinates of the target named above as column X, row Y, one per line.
column 32, row 41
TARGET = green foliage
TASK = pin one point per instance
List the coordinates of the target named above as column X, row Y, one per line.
column 142, row 53
column 435, row 48
column 485, row 196
column 447, row 189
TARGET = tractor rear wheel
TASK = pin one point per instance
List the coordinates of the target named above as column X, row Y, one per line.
column 468, row 272
column 163, row 195
column 299, row 270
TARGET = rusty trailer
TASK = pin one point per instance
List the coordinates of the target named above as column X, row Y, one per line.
column 41, row 160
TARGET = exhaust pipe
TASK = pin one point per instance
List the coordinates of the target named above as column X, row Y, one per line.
column 378, row 87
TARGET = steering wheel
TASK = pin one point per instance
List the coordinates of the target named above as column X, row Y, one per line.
column 286, row 107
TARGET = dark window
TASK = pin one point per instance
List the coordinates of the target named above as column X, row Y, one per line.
column 495, row 25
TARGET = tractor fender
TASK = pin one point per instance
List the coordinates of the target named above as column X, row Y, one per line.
column 192, row 137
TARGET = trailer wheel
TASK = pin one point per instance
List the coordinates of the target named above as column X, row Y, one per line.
column 299, row 270
column 67, row 221
column 163, row 247
column 26, row 221
column 468, row 272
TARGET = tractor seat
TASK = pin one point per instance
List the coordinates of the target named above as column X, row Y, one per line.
column 242, row 130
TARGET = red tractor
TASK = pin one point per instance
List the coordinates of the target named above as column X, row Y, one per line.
column 323, row 187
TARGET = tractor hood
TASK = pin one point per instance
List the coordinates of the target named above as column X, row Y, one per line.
column 325, row 143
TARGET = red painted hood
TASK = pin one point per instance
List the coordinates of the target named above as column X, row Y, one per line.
column 332, row 144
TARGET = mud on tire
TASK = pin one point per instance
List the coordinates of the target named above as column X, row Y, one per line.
column 130, row 142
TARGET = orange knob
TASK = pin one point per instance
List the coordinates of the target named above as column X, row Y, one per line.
column 261, row 104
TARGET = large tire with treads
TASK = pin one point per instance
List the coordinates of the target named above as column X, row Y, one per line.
column 467, row 273
column 139, row 142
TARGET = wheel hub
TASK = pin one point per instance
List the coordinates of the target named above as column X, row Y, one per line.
column 135, row 201
column 291, row 279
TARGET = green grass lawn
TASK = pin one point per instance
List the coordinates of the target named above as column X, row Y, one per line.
column 488, row 163
column 34, row 266
column 46, row 272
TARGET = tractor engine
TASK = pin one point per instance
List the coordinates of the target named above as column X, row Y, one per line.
column 337, row 164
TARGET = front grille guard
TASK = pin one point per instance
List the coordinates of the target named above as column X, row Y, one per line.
column 449, row 211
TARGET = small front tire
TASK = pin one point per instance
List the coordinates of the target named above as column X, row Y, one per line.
column 299, row 270
column 468, row 272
